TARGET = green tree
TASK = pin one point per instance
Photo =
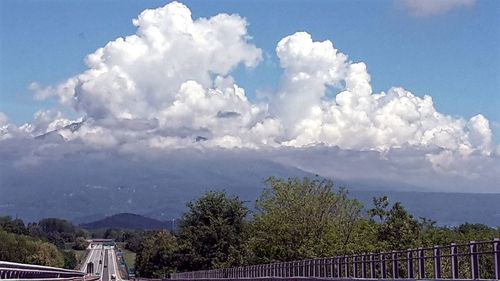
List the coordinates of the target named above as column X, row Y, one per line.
column 379, row 209
column 399, row 230
column 13, row 225
column 157, row 255
column 299, row 219
column 70, row 261
column 80, row 244
column 212, row 232
column 24, row 249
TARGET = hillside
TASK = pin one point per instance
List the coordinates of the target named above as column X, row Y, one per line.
column 127, row 221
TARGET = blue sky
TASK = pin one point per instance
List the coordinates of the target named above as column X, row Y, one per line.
column 453, row 56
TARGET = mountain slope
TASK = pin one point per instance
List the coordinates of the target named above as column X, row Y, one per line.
column 127, row 221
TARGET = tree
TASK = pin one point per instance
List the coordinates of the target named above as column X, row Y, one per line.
column 379, row 209
column 299, row 219
column 399, row 230
column 13, row 226
column 80, row 244
column 24, row 249
column 70, row 261
column 212, row 232
column 157, row 255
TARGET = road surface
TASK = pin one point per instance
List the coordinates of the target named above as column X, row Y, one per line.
column 104, row 262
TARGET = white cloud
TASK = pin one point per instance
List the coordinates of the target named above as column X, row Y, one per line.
column 169, row 86
column 435, row 7
column 357, row 118
column 140, row 75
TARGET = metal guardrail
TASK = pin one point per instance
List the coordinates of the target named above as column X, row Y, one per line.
column 470, row 261
column 12, row 270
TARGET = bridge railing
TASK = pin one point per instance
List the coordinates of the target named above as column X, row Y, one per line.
column 473, row 260
column 12, row 270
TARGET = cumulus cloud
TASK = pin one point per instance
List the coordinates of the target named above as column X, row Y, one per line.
column 432, row 7
column 169, row 86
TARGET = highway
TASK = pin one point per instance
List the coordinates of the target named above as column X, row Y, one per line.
column 103, row 260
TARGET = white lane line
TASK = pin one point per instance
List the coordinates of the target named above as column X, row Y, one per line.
column 102, row 258
column 117, row 270
column 88, row 258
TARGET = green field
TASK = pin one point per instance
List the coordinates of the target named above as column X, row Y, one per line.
column 129, row 258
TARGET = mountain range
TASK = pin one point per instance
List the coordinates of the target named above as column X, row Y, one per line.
column 160, row 188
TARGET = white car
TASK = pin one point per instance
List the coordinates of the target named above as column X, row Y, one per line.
column 113, row 276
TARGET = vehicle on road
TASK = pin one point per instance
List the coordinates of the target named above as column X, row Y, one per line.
column 113, row 276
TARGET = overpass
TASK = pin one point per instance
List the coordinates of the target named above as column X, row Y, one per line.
column 469, row 261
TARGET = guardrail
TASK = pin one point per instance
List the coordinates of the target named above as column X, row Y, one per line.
column 12, row 270
column 473, row 260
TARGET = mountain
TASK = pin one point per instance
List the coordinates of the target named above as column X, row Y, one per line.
column 450, row 209
column 102, row 185
column 128, row 221
column 84, row 189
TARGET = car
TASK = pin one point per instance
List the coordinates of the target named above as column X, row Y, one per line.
column 113, row 276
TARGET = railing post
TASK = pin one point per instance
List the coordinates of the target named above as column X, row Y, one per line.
column 363, row 266
column 437, row 262
column 346, row 267
column 321, row 267
column 309, row 264
column 383, row 269
column 409, row 263
column 372, row 265
column 474, row 261
column 395, row 271
column 496, row 254
column 302, row 268
column 355, row 275
column 338, row 261
column 332, row 267
column 454, row 261
column 421, row 263
column 313, row 264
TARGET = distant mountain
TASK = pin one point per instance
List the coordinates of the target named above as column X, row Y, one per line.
column 160, row 187
column 450, row 209
column 110, row 184
column 128, row 221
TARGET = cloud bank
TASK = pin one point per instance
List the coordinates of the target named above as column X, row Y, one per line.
column 169, row 86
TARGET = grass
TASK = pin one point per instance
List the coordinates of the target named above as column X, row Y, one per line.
column 129, row 258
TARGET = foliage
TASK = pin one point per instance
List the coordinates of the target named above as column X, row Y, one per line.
column 211, row 233
column 299, row 219
column 156, row 256
column 80, row 244
column 24, row 249
column 70, row 260
column 399, row 230
column 13, row 226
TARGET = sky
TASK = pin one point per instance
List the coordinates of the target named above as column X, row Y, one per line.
column 413, row 82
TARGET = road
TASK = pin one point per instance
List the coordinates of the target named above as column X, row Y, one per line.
column 104, row 262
